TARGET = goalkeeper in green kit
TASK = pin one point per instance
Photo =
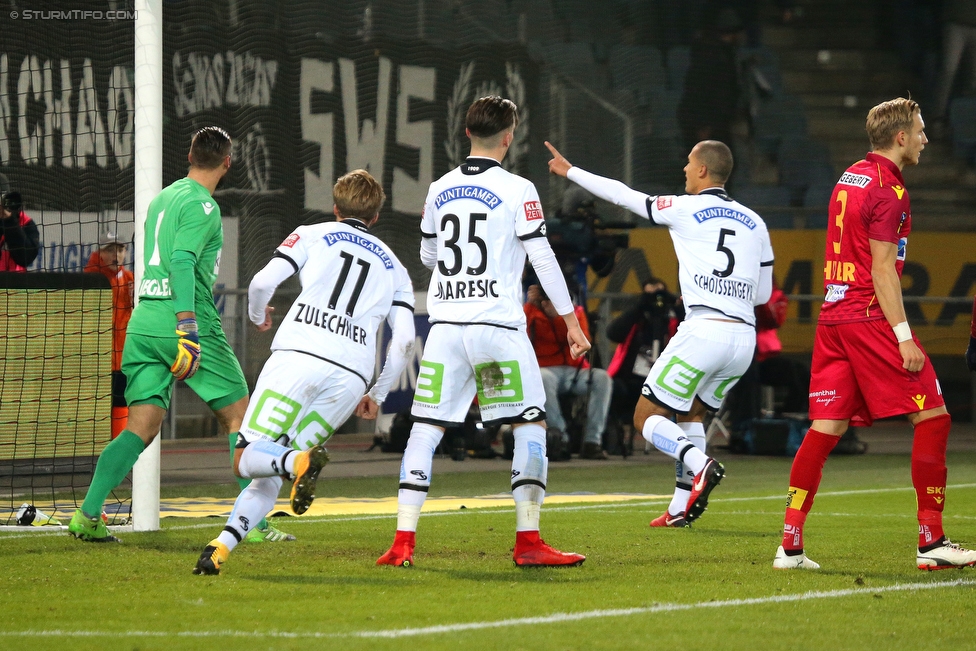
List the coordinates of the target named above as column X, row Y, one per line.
column 175, row 332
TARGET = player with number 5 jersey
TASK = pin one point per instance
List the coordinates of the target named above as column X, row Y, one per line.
column 479, row 224
column 323, row 354
column 725, row 269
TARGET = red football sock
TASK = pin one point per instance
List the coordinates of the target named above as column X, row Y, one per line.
column 804, row 480
column 929, row 475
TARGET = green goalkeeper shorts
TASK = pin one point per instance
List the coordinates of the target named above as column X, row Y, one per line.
column 146, row 360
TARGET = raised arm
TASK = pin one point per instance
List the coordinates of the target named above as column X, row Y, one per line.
column 610, row 190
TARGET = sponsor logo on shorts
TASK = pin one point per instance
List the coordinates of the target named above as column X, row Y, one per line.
column 430, row 382
column 835, row 293
column 859, row 180
column 824, row 397
column 919, row 400
column 533, row 211
column 665, row 202
column 679, row 378
column 291, row 240
column 498, row 382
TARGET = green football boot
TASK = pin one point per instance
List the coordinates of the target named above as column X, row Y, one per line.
column 269, row 534
column 89, row 529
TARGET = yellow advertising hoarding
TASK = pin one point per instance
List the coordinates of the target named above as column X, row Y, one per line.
column 937, row 265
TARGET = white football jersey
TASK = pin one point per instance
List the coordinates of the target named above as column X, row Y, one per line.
column 350, row 280
column 480, row 214
column 720, row 245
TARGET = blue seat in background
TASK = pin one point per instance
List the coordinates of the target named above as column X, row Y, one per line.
column 772, row 202
column 678, row 59
column 637, row 67
column 962, row 119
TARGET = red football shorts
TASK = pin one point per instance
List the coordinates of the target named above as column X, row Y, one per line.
column 857, row 374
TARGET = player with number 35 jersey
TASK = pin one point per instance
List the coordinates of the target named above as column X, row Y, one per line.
column 479, row 224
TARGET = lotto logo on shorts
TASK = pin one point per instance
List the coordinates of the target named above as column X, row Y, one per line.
column 664, row 202
column 430, row 382
column 291, row 240
column 274, row 414
column 533, row 211
column 680, row 379
column 498, row 382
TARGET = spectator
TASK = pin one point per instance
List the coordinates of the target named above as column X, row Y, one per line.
column 561, row 374
column 19, row 237
column 641, row 333
column 710, row 103
column 960, row 36
column 108, row 260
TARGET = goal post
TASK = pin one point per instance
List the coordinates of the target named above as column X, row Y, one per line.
column 148, row 161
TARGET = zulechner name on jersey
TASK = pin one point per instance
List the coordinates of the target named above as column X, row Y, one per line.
column 453, row 289
column 358, row 240
column 154, row 288
column 715, row 212
column 340, row 325
column 859, row 180
column 483, row 195
column 725, row 287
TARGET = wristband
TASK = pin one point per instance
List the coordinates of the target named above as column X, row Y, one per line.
column 903, row 331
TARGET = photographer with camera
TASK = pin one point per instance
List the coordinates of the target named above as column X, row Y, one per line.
column 19, row 237
column 562, row 375
column 641, row 333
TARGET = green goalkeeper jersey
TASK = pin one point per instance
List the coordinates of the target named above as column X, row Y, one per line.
column 183, row 217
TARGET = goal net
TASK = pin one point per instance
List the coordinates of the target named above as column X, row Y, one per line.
column 66, row 148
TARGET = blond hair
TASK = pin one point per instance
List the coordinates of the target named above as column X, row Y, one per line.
column 888, row 118
column 358, row 195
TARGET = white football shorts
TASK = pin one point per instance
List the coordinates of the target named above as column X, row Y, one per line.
column 704, row 359
column 496, row 364
column 300, row 400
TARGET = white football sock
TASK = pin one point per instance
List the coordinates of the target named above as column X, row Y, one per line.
column 415, row 471
column 266, row 459
column 530, row 470
column 254, row 502
column 671, row 440
column 683, row 478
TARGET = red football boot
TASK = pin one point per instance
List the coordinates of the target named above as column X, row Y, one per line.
column 668, row 520
column 401, row 553
column 701, row 488
column 532, row 551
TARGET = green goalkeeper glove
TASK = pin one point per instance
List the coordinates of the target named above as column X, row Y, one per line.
column 187, row 350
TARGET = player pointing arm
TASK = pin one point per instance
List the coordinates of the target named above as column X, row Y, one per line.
column 714, row 346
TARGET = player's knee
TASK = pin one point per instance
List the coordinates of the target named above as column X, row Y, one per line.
column 529, row 463
column 426, row 437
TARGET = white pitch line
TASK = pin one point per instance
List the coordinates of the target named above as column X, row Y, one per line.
column 548, row 509
column 554, row 618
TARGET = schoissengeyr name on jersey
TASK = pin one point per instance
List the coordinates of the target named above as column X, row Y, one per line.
column 340, row 325
column 723, row 287
column 452, row 289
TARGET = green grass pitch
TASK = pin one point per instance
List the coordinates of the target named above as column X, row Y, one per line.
column 709, row 587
